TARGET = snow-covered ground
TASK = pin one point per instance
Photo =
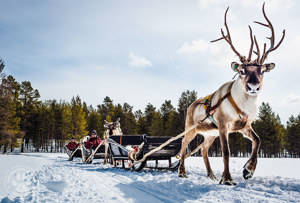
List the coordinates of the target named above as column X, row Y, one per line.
column 50, row 178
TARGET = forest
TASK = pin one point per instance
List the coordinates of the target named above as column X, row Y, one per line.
column 30, row 124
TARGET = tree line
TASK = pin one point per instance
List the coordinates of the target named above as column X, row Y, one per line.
column 35, row 125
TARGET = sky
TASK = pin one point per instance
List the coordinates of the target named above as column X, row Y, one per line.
column 143, row 52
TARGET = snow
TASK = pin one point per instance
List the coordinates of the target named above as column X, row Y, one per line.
column 36, row 177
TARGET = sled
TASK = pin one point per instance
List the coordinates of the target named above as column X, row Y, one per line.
column 119, row 152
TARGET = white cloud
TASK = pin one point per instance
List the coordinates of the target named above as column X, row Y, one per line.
column 292, row 98
column 196, row 46
column 138, row 61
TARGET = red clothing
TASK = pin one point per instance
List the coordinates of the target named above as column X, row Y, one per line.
column 72, row 145
column 93, row 141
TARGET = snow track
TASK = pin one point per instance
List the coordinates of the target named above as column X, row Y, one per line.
column 56, row 180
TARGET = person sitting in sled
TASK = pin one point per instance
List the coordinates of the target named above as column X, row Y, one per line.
column 72, row 149
column 72, row 145
column 94, row 141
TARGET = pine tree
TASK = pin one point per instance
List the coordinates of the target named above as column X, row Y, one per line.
column 107, row 109
column 78, row 118
column 270, row 130
column 149, row 116
column 119, row 113
column 165, row 110
column 67, row 125
column 29, row 112
column 172, row 124
column 141, row 123
column 293, row 136
column 157, row 126
column 95, row 122
column 130, row 125
column 9, row 121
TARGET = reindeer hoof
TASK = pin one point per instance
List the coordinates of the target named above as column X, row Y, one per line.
column 247, row 174
column 182, row 175
column 212, row 176
column 227, row 182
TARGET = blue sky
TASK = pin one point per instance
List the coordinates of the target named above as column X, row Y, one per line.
column 144, row 52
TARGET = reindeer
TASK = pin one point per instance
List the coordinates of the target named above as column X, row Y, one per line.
column 232, row 108
column 113, row 128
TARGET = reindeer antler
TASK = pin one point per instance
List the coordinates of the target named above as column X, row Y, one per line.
column 251, row 46
column 227, row 38
column 272, row 38
column 259, row 60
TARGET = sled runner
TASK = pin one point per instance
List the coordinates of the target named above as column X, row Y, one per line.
column 121, row 153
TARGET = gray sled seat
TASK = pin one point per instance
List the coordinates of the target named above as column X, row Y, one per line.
column 125, row 140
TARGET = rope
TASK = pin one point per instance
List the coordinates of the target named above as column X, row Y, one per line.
column 194, row 151
column 168, row 142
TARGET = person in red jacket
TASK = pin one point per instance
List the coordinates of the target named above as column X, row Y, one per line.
column 72, row 145
column 94, row 141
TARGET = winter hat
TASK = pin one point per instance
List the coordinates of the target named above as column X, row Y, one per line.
column 94, row 131
column 73, row 138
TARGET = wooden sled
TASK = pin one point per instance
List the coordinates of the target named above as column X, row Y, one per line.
column 119, row 152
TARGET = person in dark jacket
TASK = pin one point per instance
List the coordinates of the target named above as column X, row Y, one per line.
column 72, row 145
column 94, row 141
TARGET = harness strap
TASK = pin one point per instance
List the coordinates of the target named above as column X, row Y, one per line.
column 234, row 105
column 210, row 110
column 241, row 114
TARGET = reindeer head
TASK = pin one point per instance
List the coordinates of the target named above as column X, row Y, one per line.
column 251, row 72
column 112, row 126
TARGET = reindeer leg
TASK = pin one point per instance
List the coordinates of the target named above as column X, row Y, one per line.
column 206, row 144
column 226, row 177
column 185, row 141
column 250, row 165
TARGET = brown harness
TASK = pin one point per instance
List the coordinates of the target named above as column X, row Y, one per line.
column 210, row 110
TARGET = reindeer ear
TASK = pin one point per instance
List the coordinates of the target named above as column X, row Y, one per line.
column 268, row 67
column 236, row 67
